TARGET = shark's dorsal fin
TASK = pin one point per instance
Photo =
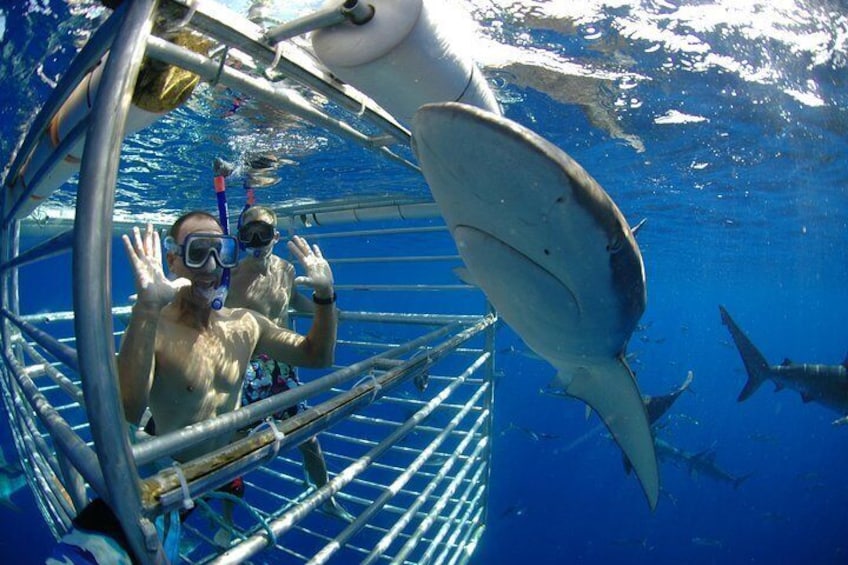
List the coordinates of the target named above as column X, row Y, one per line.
column 708, row 455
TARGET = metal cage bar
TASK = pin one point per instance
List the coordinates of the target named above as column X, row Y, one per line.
column 383, row 465
column 58, row 244
column 284, row 523
column 92, row 291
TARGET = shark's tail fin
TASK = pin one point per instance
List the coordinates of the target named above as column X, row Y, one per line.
column 737, row 482
column 755, row 364
column 610, row 389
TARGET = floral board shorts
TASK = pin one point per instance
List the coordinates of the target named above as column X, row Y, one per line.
column 266, row 377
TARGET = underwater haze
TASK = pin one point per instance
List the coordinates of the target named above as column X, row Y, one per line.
column 723, row 124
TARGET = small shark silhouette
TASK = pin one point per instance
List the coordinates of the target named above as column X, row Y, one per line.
column 825, row 384
column 12, row 479
column 707, row 542
column 531, row 433
column 700, row 463
column 513, row 510
column 657, row 406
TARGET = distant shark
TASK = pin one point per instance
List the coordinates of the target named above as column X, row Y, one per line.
column 701, row 463
column 657, row 406
column 825, row 384
column 553, row 254
column 12, row 479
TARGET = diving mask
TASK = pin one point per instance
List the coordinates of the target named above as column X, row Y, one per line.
column 256, row 234
column 198, row 247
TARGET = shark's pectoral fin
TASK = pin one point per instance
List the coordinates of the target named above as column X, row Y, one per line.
column 463, row 274
column 628, row 467
column 690, row 376
column 610, row 389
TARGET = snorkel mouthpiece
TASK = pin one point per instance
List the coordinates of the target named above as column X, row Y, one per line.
column 222, row 170
column 220, row 296
column 260, row 252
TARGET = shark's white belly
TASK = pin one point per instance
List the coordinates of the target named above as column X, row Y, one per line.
column 543, row 240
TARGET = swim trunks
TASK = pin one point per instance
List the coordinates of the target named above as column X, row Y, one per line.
column 266, row 377
column 234, row 487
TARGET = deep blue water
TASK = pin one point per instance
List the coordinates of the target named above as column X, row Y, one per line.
column 746, row 208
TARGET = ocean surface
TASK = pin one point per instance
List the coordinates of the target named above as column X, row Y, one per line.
column 724, row 124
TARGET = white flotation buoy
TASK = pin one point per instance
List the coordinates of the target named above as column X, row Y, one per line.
column 402, row 59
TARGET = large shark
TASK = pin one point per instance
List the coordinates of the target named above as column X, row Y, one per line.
column 552, row 253
column 825, row 384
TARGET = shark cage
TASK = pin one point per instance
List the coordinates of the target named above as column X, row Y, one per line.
column 405, row 415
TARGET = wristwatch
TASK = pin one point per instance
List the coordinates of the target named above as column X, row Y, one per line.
column 324, row 301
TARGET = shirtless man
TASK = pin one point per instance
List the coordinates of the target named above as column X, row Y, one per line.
column 183, row 359
column 265, row 283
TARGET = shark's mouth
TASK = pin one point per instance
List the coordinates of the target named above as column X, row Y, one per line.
column 506, row 276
